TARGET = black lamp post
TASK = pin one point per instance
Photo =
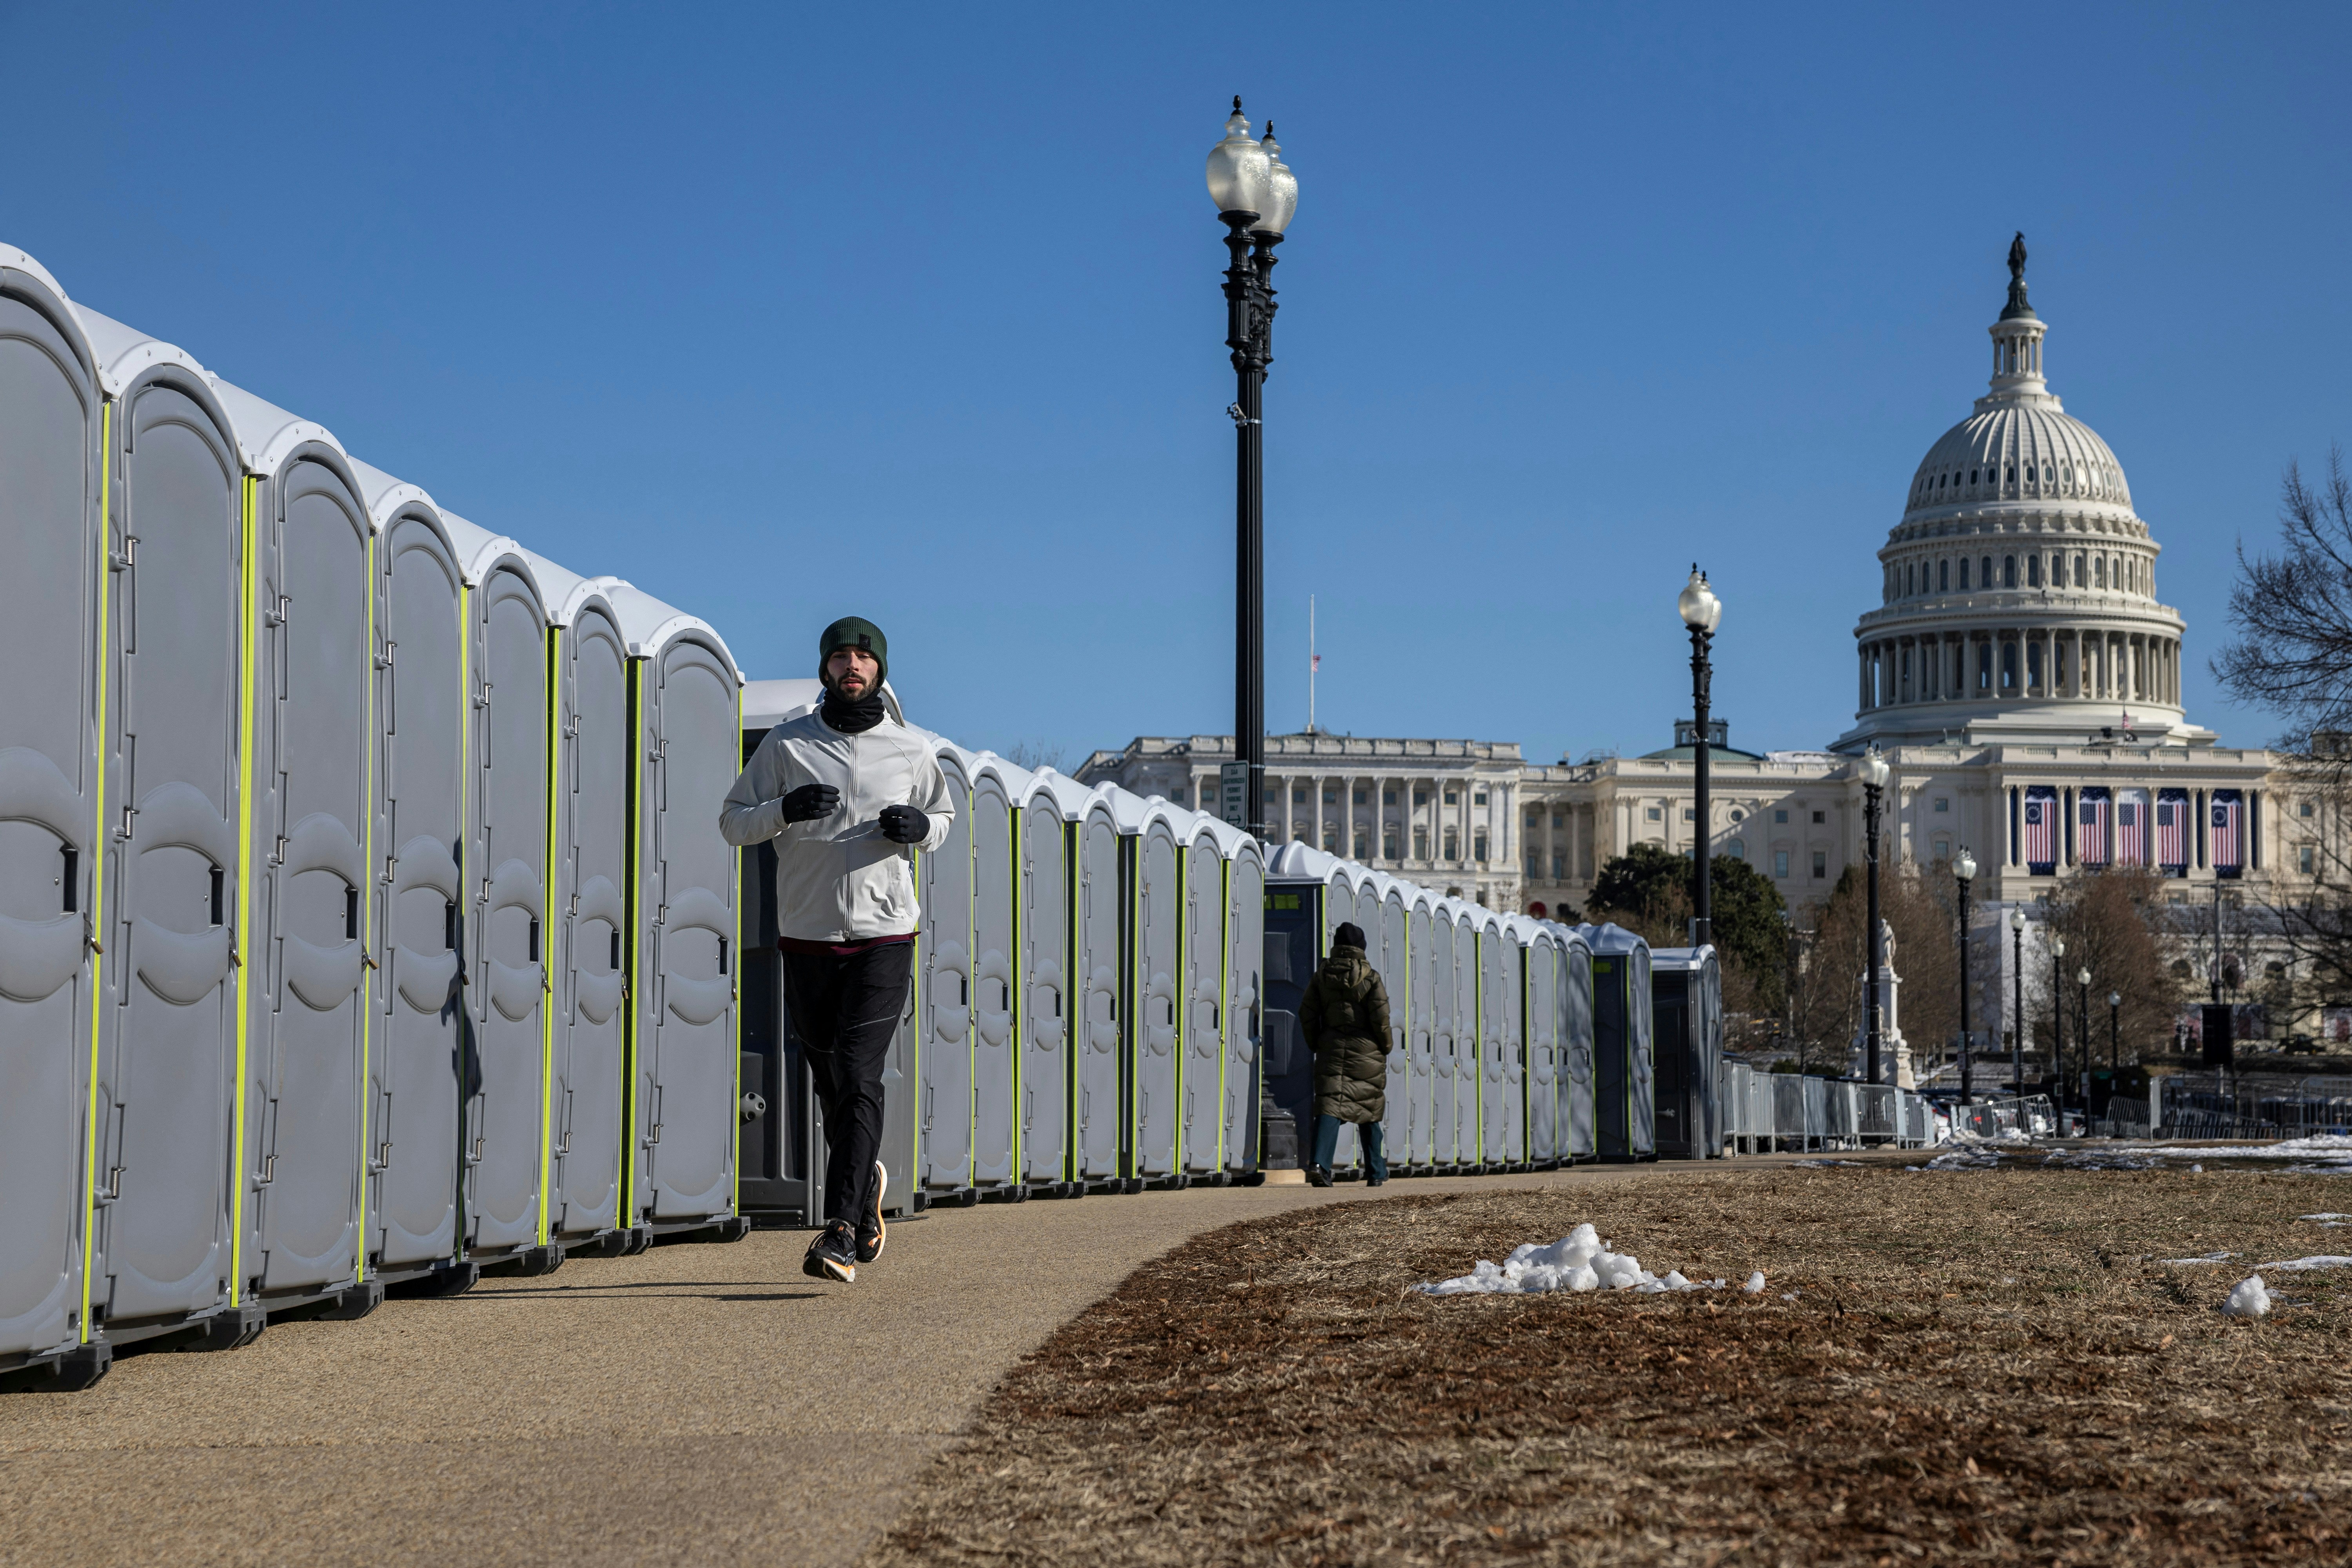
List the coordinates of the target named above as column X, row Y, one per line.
column 1700, row 611
column 2017, row 1010
column 2082, row 1027
column 2058, row 1021
column 1255, row 194
column 1873, row 771
column 2114, row 1030
column 1964, row 871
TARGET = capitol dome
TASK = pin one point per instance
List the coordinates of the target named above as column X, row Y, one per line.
column 2018, row 593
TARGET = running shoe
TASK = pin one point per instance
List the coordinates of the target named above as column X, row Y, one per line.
column 833, row 1255
column 871, row 1232
column 1317, row 1176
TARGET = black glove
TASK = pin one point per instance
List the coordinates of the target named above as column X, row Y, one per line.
column 904, row 825
column 810, row 801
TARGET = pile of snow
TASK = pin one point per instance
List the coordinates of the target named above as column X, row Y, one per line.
column 2251, row 1299
column 1580, row 1260
column 2321, row 1260
column 1966, row 1157
column 1755, row 1286
column 2329, row 1221
column 2206, row 1258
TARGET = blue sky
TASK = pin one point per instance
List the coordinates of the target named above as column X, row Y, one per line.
column 786, row 313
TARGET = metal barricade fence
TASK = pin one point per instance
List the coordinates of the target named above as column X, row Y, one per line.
column 1874, row 1112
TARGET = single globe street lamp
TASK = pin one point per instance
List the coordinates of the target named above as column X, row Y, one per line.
column 1255, row 194
column 2016, row 1012
column 1964, row 871
column 2114, row 1028
column 1700, row 611
column 1873, row 771
column 2083, row 1027
column 2058, row 1024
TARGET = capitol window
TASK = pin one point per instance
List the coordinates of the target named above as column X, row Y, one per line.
column 1820, row 864
column 1964, row 574
column 2034, row 571
column 1453, row 844
column 2078, row 571
column 2009, row 570
column 1479, row 798
column 1479, row 844
column 1781, row 864
column 2099, row 569
column 1451, row 797
column 1388, row 797
column 1984, row 577
column 1738, row 848
column 1654, row 814
column 1780, row 816
column 1943, row 802
column 1820, row 817
column 1388, row 845
column 1421, row 843
column 1944, row 575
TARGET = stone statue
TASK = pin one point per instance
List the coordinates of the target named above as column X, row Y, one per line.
column 2017, row 258
column 2016, row 306
column 1894, row 1050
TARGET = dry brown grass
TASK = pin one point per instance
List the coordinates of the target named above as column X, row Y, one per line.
column 1979, row 1366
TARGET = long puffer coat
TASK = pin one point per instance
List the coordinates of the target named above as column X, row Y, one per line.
column 1345, row 1016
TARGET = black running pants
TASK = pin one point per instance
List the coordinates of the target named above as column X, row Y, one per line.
column 845, row 1008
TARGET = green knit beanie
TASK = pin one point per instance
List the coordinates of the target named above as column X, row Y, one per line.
column 855, row 631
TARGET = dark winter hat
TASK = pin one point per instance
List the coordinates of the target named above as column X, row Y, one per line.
column 1350, row 934
column 854, row 631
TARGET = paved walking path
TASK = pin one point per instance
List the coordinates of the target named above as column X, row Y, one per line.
column 697, row 1404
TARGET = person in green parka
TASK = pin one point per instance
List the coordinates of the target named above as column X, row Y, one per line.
column 1345, row 1016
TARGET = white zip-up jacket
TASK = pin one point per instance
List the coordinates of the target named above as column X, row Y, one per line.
column 838, row 877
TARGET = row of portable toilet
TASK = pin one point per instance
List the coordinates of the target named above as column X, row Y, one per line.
column 1087, row 1006
column 1516, row 1043
column 363, row 915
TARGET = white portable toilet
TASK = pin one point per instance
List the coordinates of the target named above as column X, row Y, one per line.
column 1447, row 1154
column 589, row 755
column 1097, row 1115
column 417, row 1050
column 683, row 1112
column 162, row 1218
column 1151, row 875
column 1051, row 809
column 944, row 962
column 55, row 465
column 311, row 815
column 1245, row 1005
column 1391, row 934
column 1201, row 1063
column 503, row 919
column 1469, row 1148
column 1519, row 935
column 1421, row 951
column 1576, row 1046
column 1497, row 988
column 996, row 983
column 1541, row 1022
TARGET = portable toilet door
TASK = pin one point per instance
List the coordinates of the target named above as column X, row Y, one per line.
column 1151, row 874
column 1342, row 893
column 1050, row 807
column 502, row 932
column 588, row 759
column 1397, row 1127
column 1468, row 1141
column 995, row 873
column 1244, row 997
column 1709, row 990
column 1291, row 937
column 312, row 814
column 1542, row 1022
column 1419, row 1151
column 1200, row 1089
column 1576, row 1103
column 163, row 1223
column 686, row 724
column 417, row 1052
column 1097, row 1120
column 944, row 955
column 1678, row 1030
column 1445, row 1154
column 55, row 467
column 1498, row 996
column 1623, row 1103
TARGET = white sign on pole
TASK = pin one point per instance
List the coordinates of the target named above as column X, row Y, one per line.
column 1232, row 793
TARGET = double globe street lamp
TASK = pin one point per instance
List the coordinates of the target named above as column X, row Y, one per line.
column 1255, row 194
column 1700, row 611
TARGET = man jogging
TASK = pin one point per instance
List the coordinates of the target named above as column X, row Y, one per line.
column 847, row 793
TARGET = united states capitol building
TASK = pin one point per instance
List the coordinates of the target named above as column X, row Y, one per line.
column 2019, row 674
